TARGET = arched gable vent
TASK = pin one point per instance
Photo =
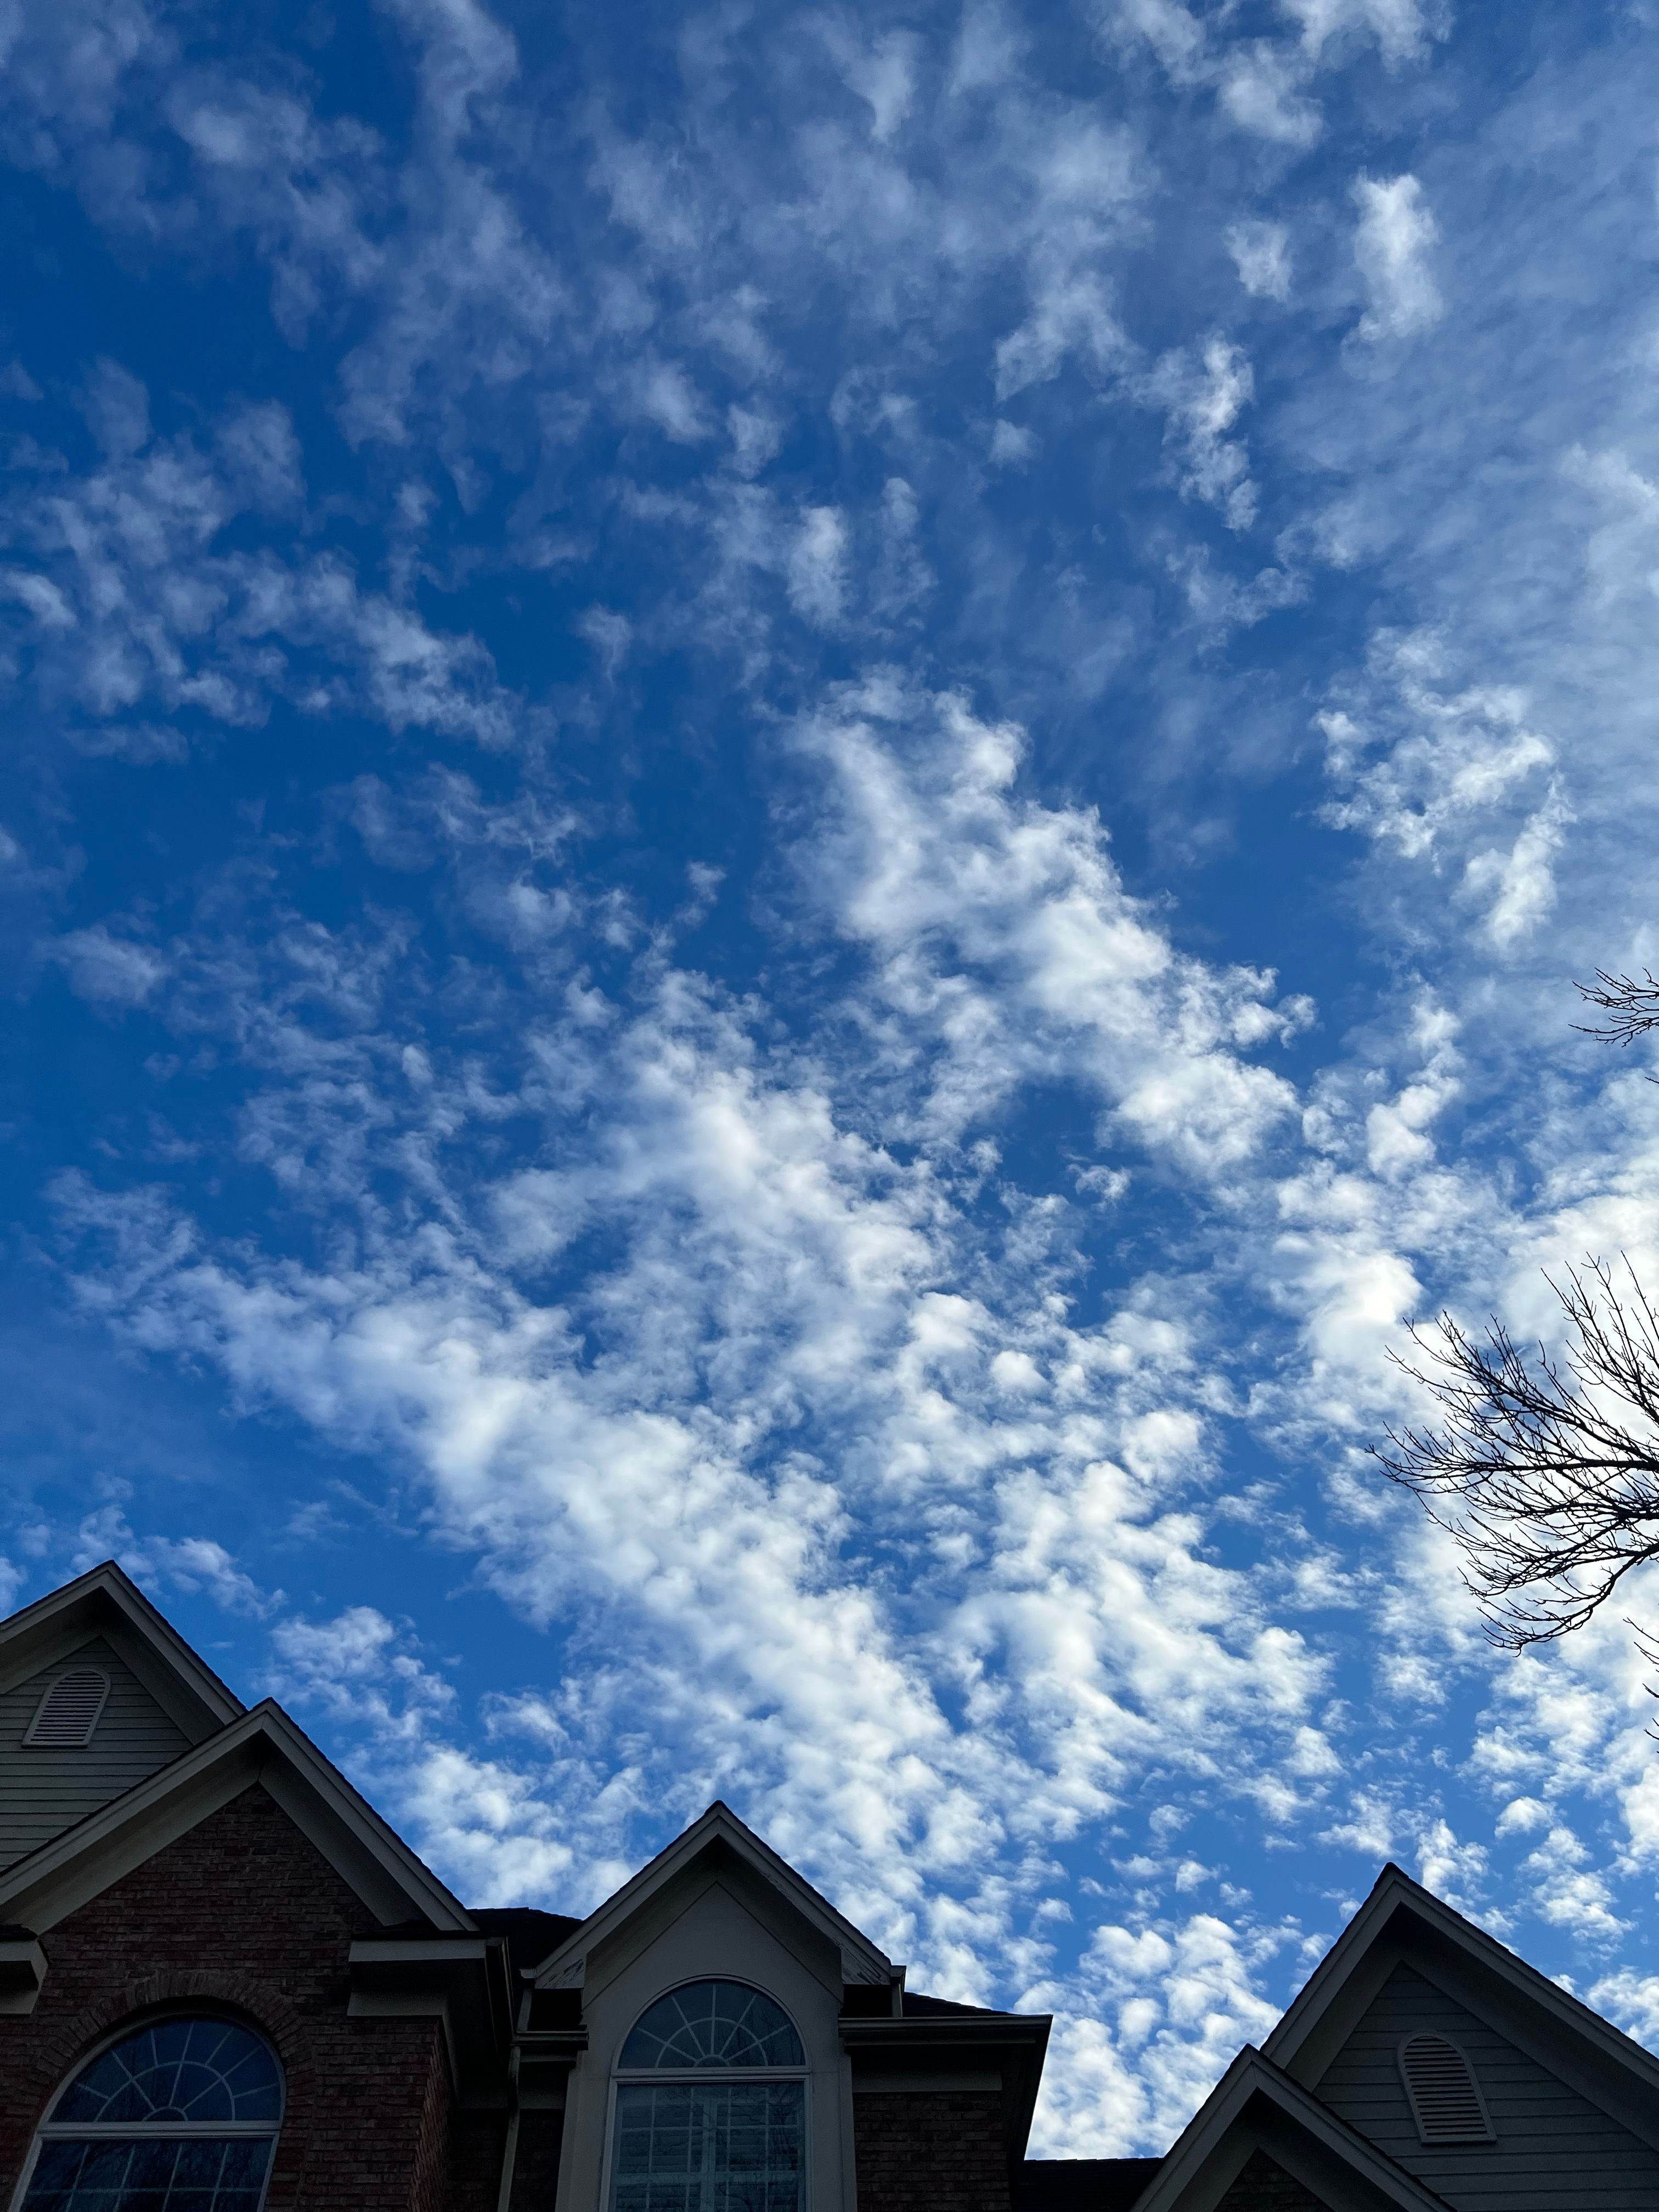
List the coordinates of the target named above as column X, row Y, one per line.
column 68, row 1714
column 1446, row 2100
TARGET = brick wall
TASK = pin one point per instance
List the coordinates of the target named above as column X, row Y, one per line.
column 477, row 2142
column 930, row 2150
column 536, row 2168
column 245, row 1913
column 1263, row 2185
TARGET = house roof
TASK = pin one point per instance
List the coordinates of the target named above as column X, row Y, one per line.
column 1401, row 1920
column 719, row 1826
column 528, row 1932
column 1081, row 2185
column 107, row 1601
column 1257, row 2105
column 263, row 1746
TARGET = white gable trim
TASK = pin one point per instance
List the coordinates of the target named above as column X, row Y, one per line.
column 108, row 1602
column 566, row 1968
column 264, row 1746
column 1181, row 2184
column 1400, row 1918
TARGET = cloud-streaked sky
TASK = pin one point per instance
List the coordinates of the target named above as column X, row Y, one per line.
column 799, row 802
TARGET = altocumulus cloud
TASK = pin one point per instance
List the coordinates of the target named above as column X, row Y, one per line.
column 782, row 853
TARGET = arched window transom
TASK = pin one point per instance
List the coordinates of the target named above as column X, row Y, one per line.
column 180, row 2116
column 724, row 2024
column 711, row 2106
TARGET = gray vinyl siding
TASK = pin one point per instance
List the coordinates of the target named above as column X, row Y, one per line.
column 1554, row 2152
column 44, row 1792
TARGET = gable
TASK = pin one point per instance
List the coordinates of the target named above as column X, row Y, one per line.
column 44, row 1792
column 716, row 1889
column 720, row 1842
column 245, row 1882
column 108, row 1604
column 1555, row 2149
column 1261, row 2142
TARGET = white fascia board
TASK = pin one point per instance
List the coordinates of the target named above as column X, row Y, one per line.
column 1395, row 1893
column 1251, row 2076
column 264, row 1746
column 562, row 1969
column 107, row 1601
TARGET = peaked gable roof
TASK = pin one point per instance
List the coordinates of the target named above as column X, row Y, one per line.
column 263, row 1746
column 1257, row 2105
column 718, row 1826
column 1401, row 1920
column 106, row 1602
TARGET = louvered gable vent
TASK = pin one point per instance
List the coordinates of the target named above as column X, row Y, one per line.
column 1446, row 2100
column 68, row 1714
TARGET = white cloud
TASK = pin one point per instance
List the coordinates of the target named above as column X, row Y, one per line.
column 144, row 605
column 188, row 1564
column 1403, row 29
column 1391, row 248
column 1000, row 929
column 1632, row 2000
column 109, row 970
column 1261, row 90
column 884, row 77
column 1261, row 254
column 1169, row 2006
column 1431, row 770
column 817, row 566
column 1204, row 401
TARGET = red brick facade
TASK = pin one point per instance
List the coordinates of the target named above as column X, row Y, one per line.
column 931, row 2150
column 368, row 2126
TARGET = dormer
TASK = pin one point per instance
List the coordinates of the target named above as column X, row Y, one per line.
column 718, row 1995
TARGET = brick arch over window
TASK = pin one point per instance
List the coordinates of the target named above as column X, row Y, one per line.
column 58, row 2053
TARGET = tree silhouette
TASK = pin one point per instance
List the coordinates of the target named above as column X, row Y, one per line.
column 1546, row 1471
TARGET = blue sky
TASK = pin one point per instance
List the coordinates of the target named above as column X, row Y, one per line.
column 800, row 801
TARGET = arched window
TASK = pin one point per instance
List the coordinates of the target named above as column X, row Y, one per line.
column 178, row 2116
column 711, row 2106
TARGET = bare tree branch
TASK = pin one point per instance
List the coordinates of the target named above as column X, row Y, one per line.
column 1631, row 1008
column 1546, row 1473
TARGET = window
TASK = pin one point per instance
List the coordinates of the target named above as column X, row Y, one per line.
column 67, row 1715
column 711, row 2106
column 1445, row 2097
column 181, row 2116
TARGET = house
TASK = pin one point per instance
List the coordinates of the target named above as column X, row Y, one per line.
column 227, row 1984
